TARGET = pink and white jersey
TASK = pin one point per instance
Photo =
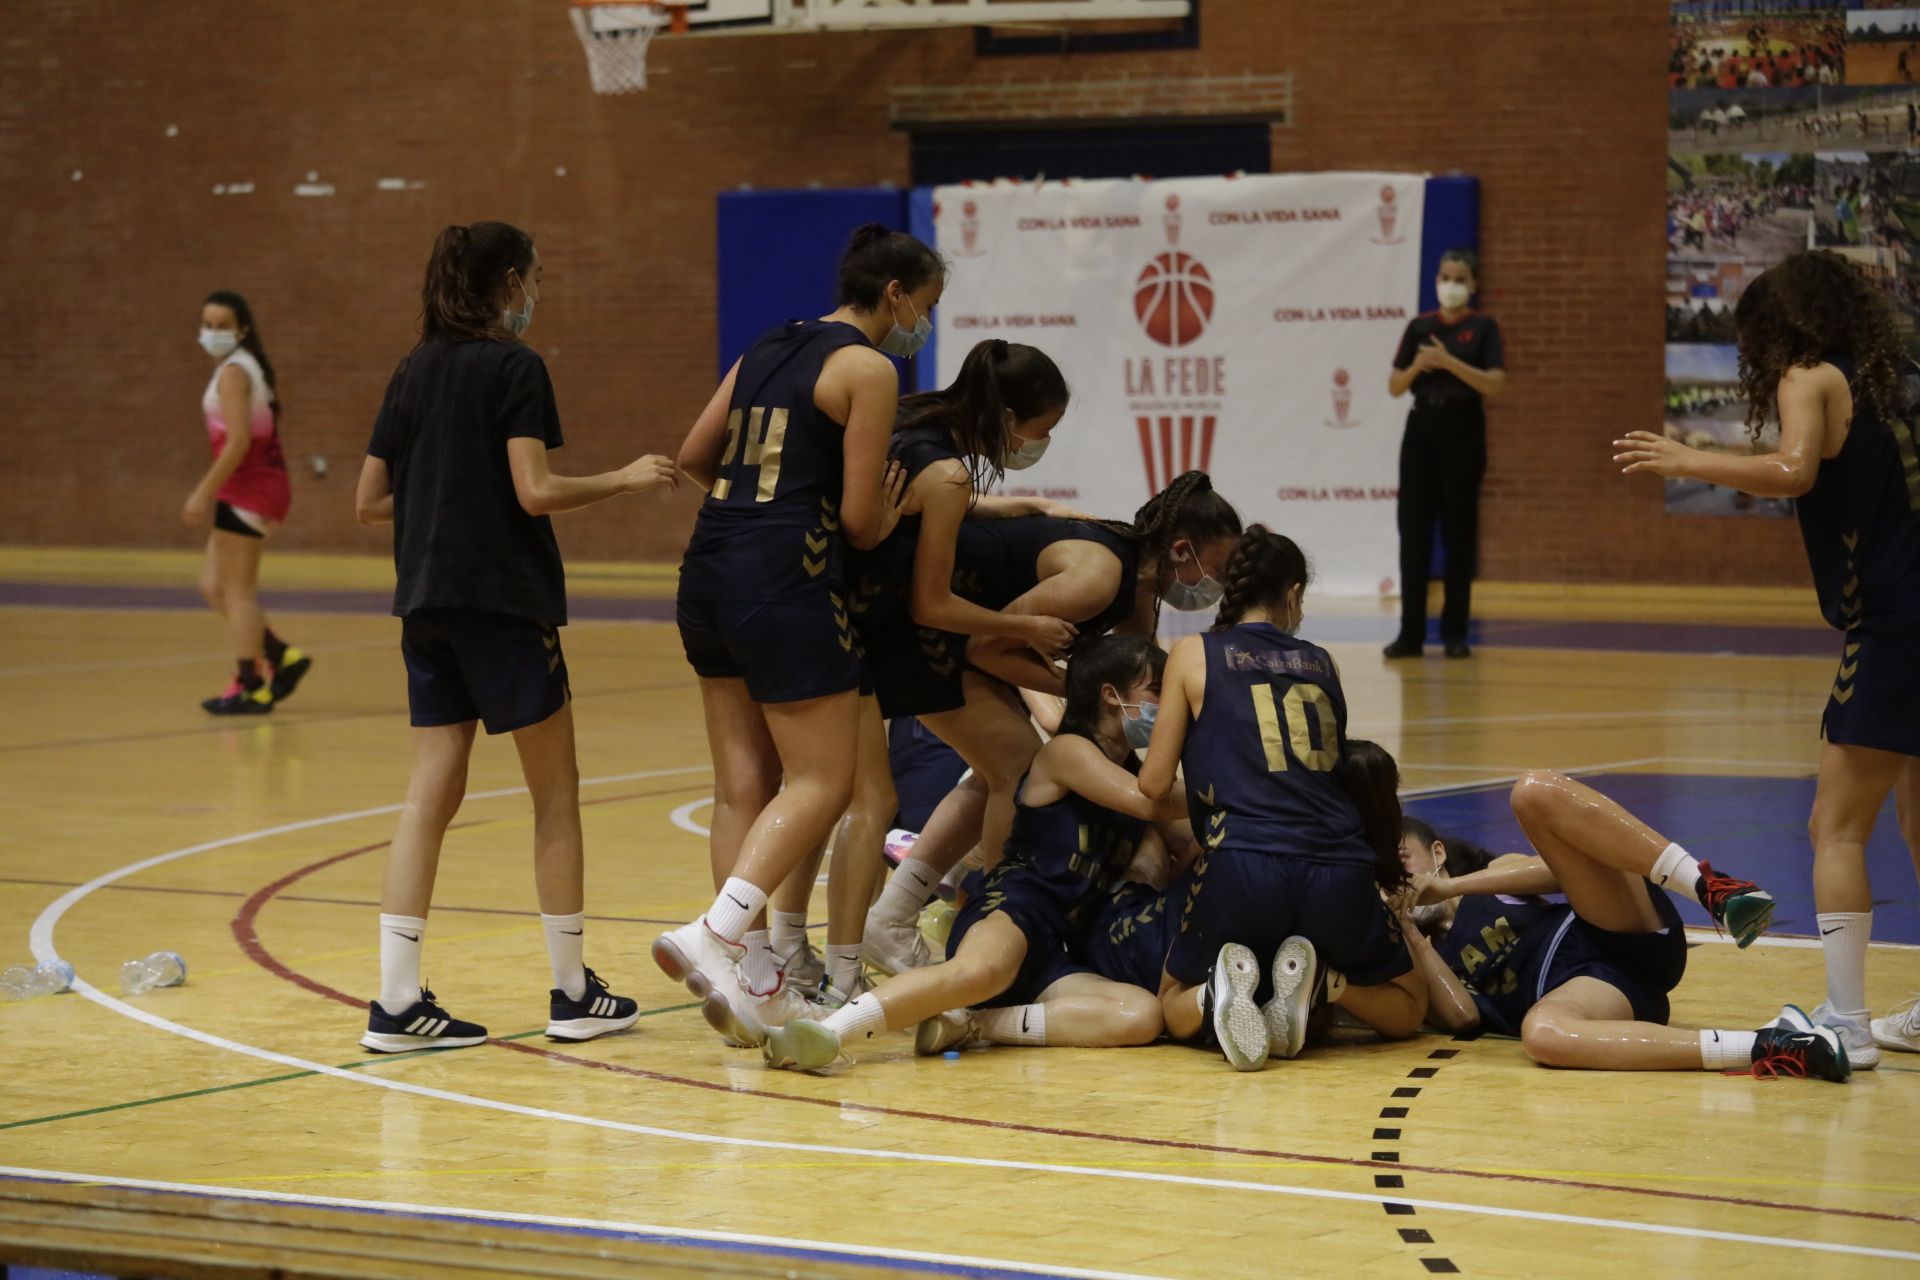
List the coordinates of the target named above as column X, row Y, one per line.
column 259, row 485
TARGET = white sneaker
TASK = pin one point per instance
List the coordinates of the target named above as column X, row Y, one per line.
column 1238, row 1024
column 954, row 1029
column 802, row 1045
column 1899, row 1030
column 804, row 969
column 832, row 997
column 1295, row 967
column 893, row 947
column 1852, row 1028
column 697, row 956
column 743, row 1019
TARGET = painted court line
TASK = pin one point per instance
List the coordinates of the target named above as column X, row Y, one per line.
column 667, row 1235
column 42, row 940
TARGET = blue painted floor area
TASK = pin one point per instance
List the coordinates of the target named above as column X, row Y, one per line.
column 1755, row 828
column 1633, row 637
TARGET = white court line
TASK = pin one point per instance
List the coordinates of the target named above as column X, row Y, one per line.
column 41, row 936
column 683, row 817
column 1699, row 933
column 591, row 1224
column 1569, row 717
column 1476, row 784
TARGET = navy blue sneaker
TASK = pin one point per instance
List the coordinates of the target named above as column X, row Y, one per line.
column 595, row 1013
column 424, row 1025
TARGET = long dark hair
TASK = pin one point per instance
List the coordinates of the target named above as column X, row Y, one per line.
column 243, row 316
column 464, row 277
column 1264, row 567
column 1372, row 779
column 1119, row 661
column 1188, row 508
column 1810, row 305
column 997, row 376
column 875, row 256
column 1464, row 857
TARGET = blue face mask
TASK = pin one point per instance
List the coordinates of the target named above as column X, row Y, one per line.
column 899, row 342
column 1139, row 727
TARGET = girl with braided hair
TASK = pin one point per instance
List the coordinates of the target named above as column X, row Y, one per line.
column 1097, row 575
column 1292, row 865
column 1819, row 346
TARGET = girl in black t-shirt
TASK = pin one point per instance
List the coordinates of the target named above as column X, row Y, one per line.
column 458, row 464
column 1453, row 361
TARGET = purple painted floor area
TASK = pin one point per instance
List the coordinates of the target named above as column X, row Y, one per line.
column 1750, row 827
column 67, row 595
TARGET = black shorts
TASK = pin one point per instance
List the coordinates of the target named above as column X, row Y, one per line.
column 1130, row 942
column 1259, row 900
column 915, row 670
column 785, row 651
column 1049, row 954
column 465, row 664
column 1875, row 701
column 1643, row 967
column 227, row 520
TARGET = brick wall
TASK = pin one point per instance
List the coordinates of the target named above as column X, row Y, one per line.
column 1559, row 106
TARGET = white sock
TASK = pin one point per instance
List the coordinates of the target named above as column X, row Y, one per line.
column 760, row 966
column 789, row 933
column 1725, row 1050
column 843, row 966
column 909, row 888
column 1843, row 939
column 1022, row 1024
column 1678, row 871
column 564, row 941
column 734, row 908
column 400, row 962
column 858, row 1019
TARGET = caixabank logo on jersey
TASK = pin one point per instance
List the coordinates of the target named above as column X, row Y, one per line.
column 1175, row 394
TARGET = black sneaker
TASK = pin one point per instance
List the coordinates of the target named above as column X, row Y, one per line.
column 595, row 1013
column 1458, row 649
column 1403, row 649
column 425, row 1025
column 238, row 700
column 294, row 665
column 1791, row 1051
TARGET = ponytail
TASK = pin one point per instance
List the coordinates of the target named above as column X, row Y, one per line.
column 252, row 344
column 876, row 256
column 1372, row 781
column 1188, row 508
column 465, row 277
column 996, row 378
column 1262, row 571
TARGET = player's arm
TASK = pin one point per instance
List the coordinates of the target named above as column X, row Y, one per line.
column 1488, row 382
column 871, row 490
column 1406, row 366
column 543, row 493
column 1186, row 670
column 1514, row 874
column 1081, row 767
column 944, row 489
column 1018, row 665
column 1047, row 709
column 1787, row 472
column 235, row 389
column 1000, row 506
column 373, row 496
column 1450, row 1005
column 700, row 452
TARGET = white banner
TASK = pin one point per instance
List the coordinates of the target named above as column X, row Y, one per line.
column 1244, row 326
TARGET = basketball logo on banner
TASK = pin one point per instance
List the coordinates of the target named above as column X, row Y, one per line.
column 1342, row 399
column 970, row 227
column 1389, row 214
column 1171, row 444
column 1173, row 299
column 1173, row 220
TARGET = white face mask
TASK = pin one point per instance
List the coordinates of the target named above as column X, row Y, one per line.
column 1453, row 294
column 1192, row 597
column 899, row 342
column 1026, row 453
column 516, row 322
column 219, row 343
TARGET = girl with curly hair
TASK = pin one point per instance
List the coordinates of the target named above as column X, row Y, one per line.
column 1819, row 346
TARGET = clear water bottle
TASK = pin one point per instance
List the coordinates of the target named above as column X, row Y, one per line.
column 45, row 979
column 899, row 845
column 161, row 969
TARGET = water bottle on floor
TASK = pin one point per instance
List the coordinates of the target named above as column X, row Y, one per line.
column 161, row 969
column 45, row 979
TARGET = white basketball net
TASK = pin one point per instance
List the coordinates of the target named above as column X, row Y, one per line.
column 616, row 37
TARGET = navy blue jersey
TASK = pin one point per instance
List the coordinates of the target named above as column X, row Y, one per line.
column 1063, row 857
column 1492, row 945
column 769, row 528
column 998, row 561
column 1129, row 940
column 1861, row 525
column 1259, row 761
column 884, row 575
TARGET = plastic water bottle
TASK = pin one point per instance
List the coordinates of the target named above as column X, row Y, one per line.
column 161, row 969
column 899, row 844
column 45, row 979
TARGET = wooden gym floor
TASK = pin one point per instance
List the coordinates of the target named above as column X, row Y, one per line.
column 133, row 822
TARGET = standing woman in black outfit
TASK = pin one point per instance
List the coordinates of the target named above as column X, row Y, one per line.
column 1453, row 362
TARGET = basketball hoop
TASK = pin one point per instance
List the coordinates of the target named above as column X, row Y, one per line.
column 616, row 36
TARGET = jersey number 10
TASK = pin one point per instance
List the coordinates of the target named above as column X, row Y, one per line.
column 1302, row 704
column 755, row 438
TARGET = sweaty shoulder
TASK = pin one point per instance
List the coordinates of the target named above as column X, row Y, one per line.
column 860, row 362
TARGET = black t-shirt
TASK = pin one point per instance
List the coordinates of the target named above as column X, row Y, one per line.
column 1474, row 339
column 461, row 539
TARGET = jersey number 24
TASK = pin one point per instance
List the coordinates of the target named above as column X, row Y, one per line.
column 755, row 438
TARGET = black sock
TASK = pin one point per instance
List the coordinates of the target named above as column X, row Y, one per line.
column 276, row 648
column 250, row 677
